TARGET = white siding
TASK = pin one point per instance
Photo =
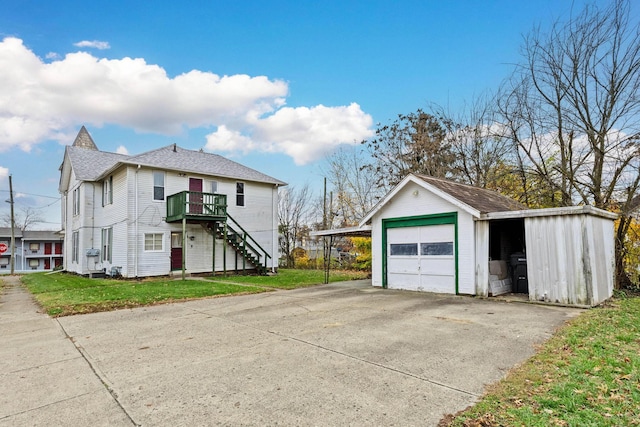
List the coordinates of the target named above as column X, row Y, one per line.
column 257, row 217
column 406, row 204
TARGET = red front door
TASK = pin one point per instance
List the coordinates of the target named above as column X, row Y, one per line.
column 58, row 248
column 47, row 248
column 47, row 262
column 176, row 251
column 195, row 195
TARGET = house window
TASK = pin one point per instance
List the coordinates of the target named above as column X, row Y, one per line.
column 239, row 193
column 153, row 242
column 34, row 247
column 214, row 187
column 34, row 263
column 107, row 191
column 107, row 241
column 76, row 201
column 75, row 242
column 158, row 185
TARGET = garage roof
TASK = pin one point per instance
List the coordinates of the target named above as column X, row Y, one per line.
column 480, row 199
column 477, row 201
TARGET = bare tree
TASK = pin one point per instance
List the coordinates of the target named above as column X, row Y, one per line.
column 293, row 209
column 24, row 219
column 572, row 109
column 481, row 158
column 415, row 143
column 353, row 184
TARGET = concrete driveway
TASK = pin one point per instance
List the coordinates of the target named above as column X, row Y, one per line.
column 341, row 354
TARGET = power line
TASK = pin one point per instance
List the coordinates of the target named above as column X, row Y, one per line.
column 35, row 195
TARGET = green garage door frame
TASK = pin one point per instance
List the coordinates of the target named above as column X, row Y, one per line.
column 418, row 221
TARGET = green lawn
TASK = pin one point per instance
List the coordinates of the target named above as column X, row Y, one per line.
column 291, row 278
column 66, row 294
column 588, row 374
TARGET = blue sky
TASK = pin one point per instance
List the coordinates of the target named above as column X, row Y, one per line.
column 275, row 85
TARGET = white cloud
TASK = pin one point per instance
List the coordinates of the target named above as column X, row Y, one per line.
column 52, row 55
column 96, row 44
column 4, row 172
column 229, row 141
column 43, row 101
column 122, row 150
column 304, row 134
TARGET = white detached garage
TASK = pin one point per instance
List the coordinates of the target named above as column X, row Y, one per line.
column 435, row 235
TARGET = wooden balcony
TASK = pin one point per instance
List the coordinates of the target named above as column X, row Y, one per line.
column 196, row 207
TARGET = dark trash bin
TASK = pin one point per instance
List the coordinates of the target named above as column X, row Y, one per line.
column 520, row 284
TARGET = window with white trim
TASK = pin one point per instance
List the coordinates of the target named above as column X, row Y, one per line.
column 75, row 242
column 158, row 185
column 239, row 193
column 107, row 191
column 153, row 242
column 214, row 187
column 76, row 201
column 34, row 247
column 107, row 241
column 34, row 263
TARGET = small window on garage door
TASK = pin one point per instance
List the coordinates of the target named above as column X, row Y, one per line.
column 436, row 249
column 404, row 249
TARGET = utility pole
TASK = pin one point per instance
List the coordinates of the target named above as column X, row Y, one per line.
column 13, row 229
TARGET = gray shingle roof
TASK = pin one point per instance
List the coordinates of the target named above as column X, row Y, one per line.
column 483, row 200
column 41, row 235
column 84, row 140
column 5, row 232
column 176, row 158
column 89, row 164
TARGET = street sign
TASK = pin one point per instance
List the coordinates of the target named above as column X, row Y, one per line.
column 3, row 248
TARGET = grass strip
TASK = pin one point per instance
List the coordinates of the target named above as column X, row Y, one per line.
column 67, row 294
column 588, row 374
column 292, row 278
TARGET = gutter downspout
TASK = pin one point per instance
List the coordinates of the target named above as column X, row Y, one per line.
column 135, row 222
column 274, row 223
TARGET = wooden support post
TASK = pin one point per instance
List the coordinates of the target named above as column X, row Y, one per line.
column 213, row 250
column 224, row 250
column 244, row 251
column 184, row 245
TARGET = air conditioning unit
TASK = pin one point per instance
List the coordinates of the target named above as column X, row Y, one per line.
column 93, row 252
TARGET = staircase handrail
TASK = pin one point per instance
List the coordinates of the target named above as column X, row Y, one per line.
column 247, row 235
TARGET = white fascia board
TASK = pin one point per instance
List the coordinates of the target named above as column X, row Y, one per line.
column 568, row 210
column 436, row 191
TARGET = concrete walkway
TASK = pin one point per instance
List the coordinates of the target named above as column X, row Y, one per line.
column 44, row 378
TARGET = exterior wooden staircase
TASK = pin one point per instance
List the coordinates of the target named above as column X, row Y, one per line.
column 210, row 211
column 246, row 246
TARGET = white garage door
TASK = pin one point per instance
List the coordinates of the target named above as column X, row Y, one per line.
column 422, row 258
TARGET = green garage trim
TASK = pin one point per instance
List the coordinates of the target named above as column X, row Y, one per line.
column 418, row 221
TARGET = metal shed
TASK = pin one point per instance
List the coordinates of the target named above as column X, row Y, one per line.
column 435, row 235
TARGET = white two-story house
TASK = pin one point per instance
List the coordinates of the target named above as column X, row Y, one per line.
column 165, row 210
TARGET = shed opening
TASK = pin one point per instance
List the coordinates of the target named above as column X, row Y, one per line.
column 507, row 257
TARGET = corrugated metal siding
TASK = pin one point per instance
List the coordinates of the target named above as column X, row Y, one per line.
column 482, row 257
column 599, row 234
column 569, row 259
column 405, row 204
